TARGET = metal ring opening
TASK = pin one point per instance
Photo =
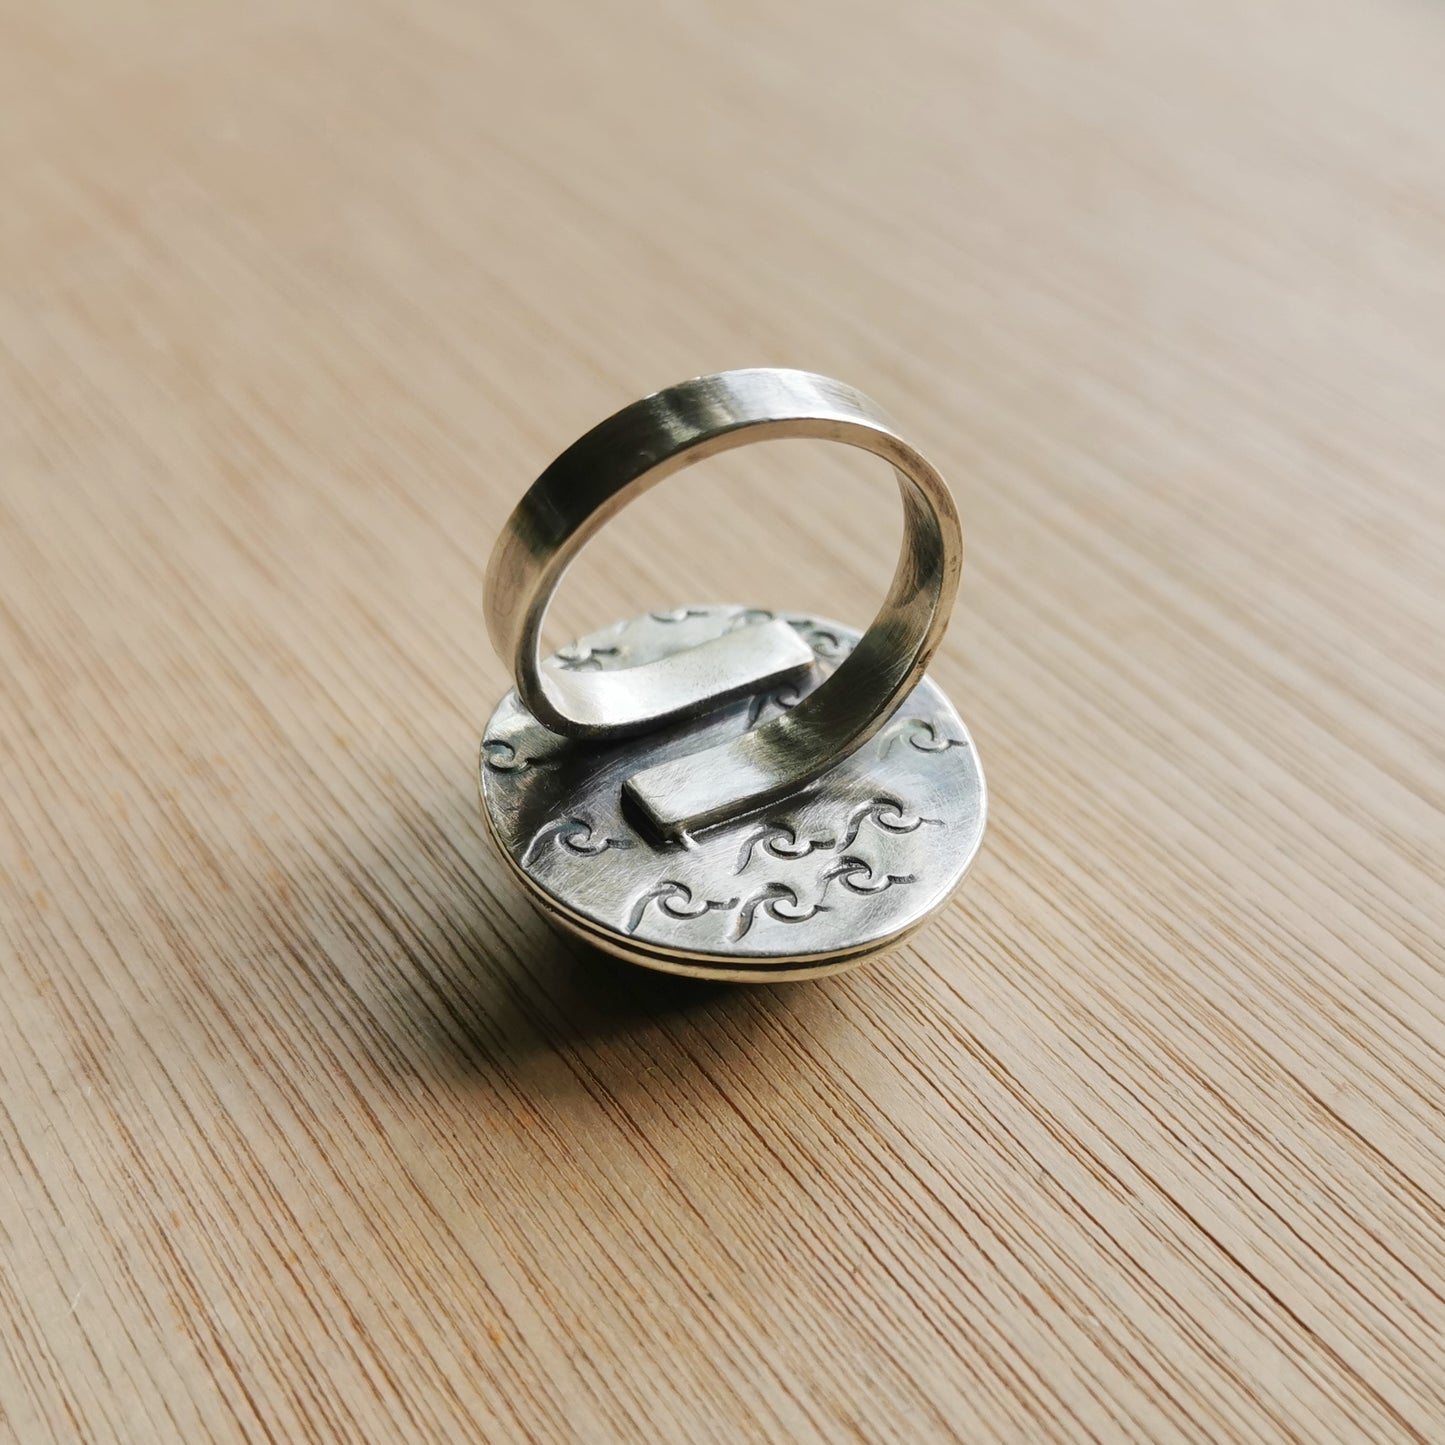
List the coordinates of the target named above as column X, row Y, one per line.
column 635, row 449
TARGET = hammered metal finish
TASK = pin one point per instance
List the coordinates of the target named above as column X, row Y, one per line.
column 849, row 866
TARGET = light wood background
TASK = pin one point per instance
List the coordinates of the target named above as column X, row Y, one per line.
column 310, row 1130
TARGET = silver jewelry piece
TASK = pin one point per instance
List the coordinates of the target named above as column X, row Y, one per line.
column 722, row 791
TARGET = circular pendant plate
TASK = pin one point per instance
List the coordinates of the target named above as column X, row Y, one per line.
column 848, row 867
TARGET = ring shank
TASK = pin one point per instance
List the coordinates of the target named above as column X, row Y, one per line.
column 634, row 450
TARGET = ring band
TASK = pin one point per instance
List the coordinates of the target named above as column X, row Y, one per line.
column 633, row 450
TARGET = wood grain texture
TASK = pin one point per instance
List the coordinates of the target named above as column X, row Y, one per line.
column 311, row 1131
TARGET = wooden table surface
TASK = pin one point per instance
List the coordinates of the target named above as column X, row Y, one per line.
column 311, row 1130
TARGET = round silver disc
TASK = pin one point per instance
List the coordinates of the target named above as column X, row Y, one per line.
column 848, row 867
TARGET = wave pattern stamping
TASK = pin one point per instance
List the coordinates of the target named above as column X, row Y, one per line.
column 676, row 900
column 886, row 813
column 573, row 834
column 778, row 840
column 779, row 902
column 580, row 657
column 858, row 876
column 502, row 757
column 920, row 733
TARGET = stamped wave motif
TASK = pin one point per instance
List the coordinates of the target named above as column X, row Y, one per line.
column 823, row 640
column 887, row 814
column 676, row 901
column 533, row 749
column 778, row 840
column 858, row 877
column 582, row 657
column 679, row 614
column 778, row 902
column 575, row 835
column 502, row 757
column 917, row 732
column 749, row 617
column 775, row 900
column 783, row 698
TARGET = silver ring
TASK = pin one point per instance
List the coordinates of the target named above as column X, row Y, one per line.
column 621, row 458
